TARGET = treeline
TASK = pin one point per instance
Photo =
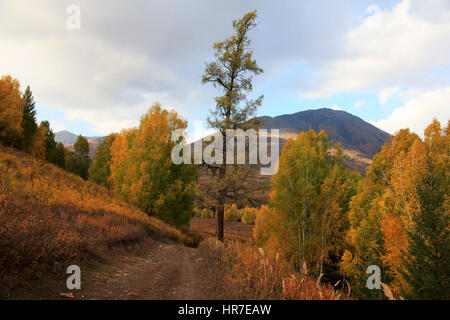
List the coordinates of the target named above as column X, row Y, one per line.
column 245, row 215
column 136, row 163
column 330, row 221
column 19, row 129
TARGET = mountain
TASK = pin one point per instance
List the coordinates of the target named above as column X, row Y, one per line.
column 65, row 137
column 352, row 132
column 359, row 139
column 68, row 139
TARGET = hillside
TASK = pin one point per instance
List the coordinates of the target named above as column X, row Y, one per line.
column 50, row 218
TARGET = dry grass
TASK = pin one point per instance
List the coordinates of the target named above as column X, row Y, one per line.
column 241, row 271
column 50, row 218
column 232, row 230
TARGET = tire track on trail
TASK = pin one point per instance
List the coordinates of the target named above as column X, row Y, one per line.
column 168, row 272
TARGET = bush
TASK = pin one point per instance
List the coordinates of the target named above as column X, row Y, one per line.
column 242, row 271
column 248, row 215
column 207, row 213
column 232, row 213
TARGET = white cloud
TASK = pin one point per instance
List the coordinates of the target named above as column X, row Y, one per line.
column 385, row 94
column 128, row 55
column 335, row 107
column 360, row 103
column 417, row 113
column 398, row 47
column 199, row 131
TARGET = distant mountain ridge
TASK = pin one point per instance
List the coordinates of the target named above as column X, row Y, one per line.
column 360, row 139
column 65, row 137
column 351, row 131
column 68, row 139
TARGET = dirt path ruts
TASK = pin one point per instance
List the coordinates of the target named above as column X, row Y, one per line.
column 169, row 271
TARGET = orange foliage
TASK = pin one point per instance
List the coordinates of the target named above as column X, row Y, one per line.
column 38, row 146
column 11, row 111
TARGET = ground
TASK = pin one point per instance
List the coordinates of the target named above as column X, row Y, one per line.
column 232, row 230
column 168, row 271
column 153, row 269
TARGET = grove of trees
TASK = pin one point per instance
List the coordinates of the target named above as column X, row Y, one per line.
column 327, row 220
column 400, row 218
column 142, row 170
column 19, row 129
column 307, row 218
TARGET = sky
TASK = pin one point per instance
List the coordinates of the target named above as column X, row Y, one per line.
column 387, row 62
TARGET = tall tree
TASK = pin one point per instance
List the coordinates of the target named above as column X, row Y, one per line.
column 30, row 126
column 99, row 172
column 81, row 157
column 311, row 194
column 427, row 259
column 38, row 148
column 429, row 253
column 50, row 143
column 57, row 156
column 11, row 112
column 376, row 217
column 232, row 72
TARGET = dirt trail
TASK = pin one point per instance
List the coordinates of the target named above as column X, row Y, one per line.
column 169, row 271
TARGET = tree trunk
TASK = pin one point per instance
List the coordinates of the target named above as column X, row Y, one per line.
column 219, row 224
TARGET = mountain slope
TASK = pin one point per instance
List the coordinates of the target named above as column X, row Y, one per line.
column 68, row 139
column 50, row 218
column 352, row 132
column 65, row 137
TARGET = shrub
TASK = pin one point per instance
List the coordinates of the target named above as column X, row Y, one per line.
column 248, row 215
column 242, row 271
column 207, row 213
column 232, row 213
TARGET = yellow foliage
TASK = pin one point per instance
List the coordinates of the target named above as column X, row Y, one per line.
column 11, row 111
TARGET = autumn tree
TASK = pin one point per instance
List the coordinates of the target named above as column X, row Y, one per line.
column 81, row 157
column 11, row 112
column 376, row 222
column 38, row 148
column 50, row 143
column 427, row 257
column 99, row 172
column 232, row 73
column 398, row 218
column 57, row 155
column 54, row 151
column 143, row 172
column 29, row 121
column 310, row 200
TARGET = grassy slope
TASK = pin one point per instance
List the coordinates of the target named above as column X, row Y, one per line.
column 50, row 218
